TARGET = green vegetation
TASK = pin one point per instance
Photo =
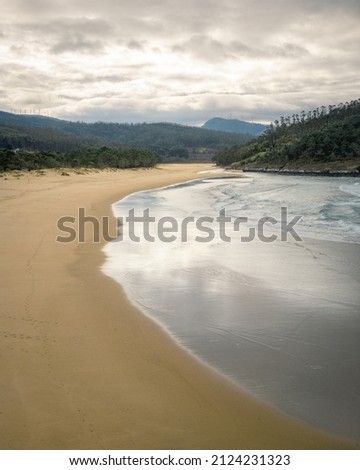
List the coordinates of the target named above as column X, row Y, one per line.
column 168, row 141
column 325, row 138
column 39, row 139
column 104, row 157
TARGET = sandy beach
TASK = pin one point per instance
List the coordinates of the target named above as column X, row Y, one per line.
column 81, row 367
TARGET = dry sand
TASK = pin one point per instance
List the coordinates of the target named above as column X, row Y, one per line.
column 81, row 368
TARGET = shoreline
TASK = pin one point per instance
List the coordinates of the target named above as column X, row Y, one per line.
column 284, row 353
column 82, row 367
column 294, row 172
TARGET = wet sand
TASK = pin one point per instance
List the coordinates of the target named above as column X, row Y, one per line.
column 81, row 367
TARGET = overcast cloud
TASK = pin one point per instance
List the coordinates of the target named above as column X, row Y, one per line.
column 188, row 61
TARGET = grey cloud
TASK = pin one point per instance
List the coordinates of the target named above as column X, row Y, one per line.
column 60, row 24
column 120, row 74
column 289, row 50
column 66, row 97
column 23, row 76
column 204, row 48
column 209, row 49
column 66, row 34
column 326, row 5
column 113, row 78
column 93, row 27
column 134, row 45
column 33, row 101
column 88, row 78
column 214, row 93
column 295, row 54
column 36, row 7
column 241, row 49
column 77, row 43
column 184, row 79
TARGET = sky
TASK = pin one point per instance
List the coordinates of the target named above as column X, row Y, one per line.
column 178, row 61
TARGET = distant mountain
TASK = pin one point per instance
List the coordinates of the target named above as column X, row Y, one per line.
column 234, row 125
column 168, row 141
column 31, row 120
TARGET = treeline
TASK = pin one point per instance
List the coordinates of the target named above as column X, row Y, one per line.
column 49, row 134
column 47, row 139
column 104, row 157
column 324, row 135
column 40, row 139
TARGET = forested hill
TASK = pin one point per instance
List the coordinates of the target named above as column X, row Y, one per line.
column 234, row 125
column 31, row 132
column 324, row 138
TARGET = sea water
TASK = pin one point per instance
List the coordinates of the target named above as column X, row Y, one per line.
column 281, row 318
